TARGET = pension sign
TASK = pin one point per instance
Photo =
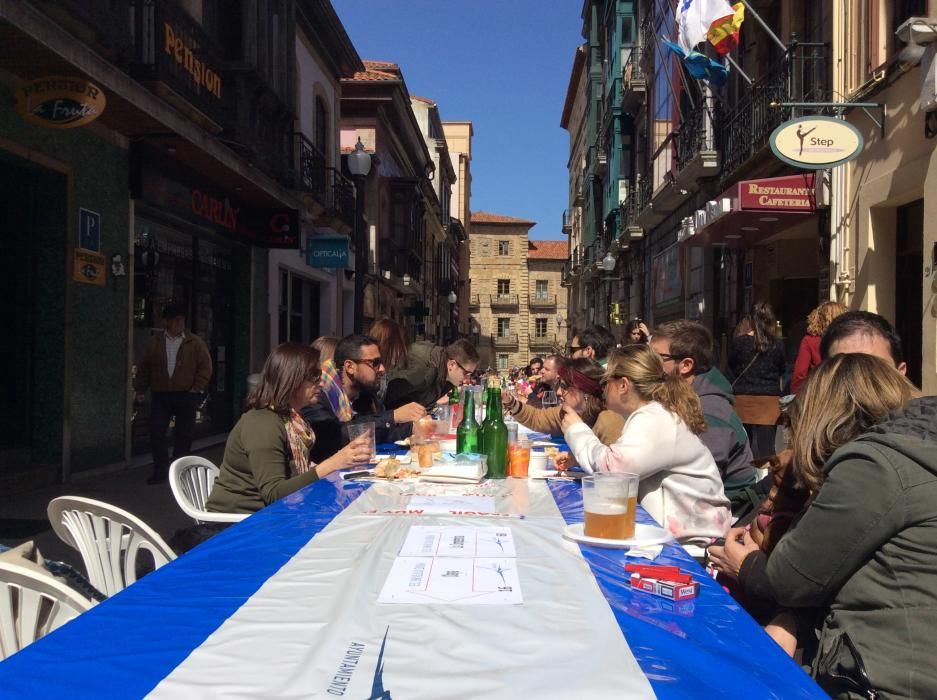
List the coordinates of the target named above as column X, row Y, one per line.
column 816, row 143
column 59, row 102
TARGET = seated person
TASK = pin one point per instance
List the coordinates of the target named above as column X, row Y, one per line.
column 860, row 564
column 595, row 343
column 865, row 332
column 686, row 348
column 432, row 373
column 680, row 485
column 549, row 375
column 579, row 387
column 349, row 395
column 266, row 456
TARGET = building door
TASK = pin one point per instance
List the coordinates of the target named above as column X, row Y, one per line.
column 32, row 219
column 300, row 302
column 909, row 266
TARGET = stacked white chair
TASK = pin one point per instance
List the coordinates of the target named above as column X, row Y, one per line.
column 191, row 480
column 108, row 538
column 32, row 605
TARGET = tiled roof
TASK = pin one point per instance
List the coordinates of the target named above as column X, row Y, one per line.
column 374, row 76
column 423, row 99
column 379, row 65
column 485, row 217
column 548, row 250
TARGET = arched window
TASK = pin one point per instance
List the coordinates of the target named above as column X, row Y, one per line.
column 321, row 126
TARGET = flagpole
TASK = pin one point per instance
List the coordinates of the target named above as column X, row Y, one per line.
column 736, row 66
column 748, row 9
column 673, row 90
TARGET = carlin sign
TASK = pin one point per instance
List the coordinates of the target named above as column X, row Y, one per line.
column 60, row 103
column 816, row 143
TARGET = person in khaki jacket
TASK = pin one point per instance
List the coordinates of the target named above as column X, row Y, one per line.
column 176, row 367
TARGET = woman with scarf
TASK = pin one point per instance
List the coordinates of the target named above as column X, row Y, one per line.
column 578, row 387
column 266, row 456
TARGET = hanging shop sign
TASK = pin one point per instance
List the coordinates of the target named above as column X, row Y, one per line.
column 327, row 251
column 816, row 143
column 204, row 203
column 88, row 267
column 59, row 102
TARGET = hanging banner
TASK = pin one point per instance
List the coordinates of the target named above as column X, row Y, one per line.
column 816, row 143
column 60, row 103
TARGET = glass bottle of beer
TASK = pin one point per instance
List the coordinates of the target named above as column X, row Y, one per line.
column 466, row 434
column 495, row 438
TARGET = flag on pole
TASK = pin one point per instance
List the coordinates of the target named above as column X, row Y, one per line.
column 724, row 36
column 699, row 66
column 695, row 17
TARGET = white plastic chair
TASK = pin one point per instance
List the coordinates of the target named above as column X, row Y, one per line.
column 32, row 605
column 108, row 538
column 191, row 480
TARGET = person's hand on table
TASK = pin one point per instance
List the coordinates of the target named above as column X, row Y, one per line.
column 569, row 418
column 728, row 559
column 409, row 413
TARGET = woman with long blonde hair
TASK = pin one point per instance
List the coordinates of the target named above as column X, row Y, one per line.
column 861, row 561
column 680, row 484
column 808, row 356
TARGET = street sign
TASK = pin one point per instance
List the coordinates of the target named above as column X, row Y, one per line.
column 816, row 143
column 89, row 230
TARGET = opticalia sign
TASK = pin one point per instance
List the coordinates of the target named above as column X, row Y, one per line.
column 816, row 143
column 59, row 102
column 327, row 251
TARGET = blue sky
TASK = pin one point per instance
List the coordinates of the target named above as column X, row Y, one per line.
column 502, row 64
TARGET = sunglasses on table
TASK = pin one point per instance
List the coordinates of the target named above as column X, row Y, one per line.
column 373, row 362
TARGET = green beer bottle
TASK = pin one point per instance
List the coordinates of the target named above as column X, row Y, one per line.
column 466, row 434
column 496, row 437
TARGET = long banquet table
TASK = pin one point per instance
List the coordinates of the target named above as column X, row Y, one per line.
column 284, row 604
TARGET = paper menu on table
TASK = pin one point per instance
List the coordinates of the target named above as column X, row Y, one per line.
column 430, row 541
column 452, row 580
column 432, row 504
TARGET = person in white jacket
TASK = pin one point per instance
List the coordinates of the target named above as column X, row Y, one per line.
column 679, row 484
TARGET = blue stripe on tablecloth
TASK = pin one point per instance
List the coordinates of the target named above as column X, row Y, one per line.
column 704, row 647
column 124, row 647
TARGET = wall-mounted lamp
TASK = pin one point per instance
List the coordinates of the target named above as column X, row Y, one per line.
column 406, row 280
column 452, row 298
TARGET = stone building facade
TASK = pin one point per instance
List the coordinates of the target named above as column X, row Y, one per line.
column 515, row 296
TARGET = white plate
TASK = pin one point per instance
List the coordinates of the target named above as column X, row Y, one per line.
column 643, row 535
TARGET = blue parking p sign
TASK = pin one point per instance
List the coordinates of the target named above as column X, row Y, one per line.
column 89, row 230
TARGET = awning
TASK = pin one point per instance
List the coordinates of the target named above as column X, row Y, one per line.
column 753, row 210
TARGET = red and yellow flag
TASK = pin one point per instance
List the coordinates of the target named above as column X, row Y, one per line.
column 724, row 35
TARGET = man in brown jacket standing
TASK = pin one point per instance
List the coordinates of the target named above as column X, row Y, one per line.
column 176, row 367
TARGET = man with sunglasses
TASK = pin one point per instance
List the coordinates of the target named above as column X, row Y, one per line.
column 350, row 396
column 594, row 343
column 432, row 372
column 686, row 347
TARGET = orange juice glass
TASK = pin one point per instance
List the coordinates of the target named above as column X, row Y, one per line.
column 519, row 459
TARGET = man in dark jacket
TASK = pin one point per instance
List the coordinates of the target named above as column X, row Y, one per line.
column 360, row 367
column 686, row 348
column 176, row 368
column 432, row 373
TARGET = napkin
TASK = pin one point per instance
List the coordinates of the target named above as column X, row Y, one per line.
column 650, row 551
column 457, row 470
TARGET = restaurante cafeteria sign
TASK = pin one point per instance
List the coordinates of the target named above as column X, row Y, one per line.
column 59, row 102
column 816, row 143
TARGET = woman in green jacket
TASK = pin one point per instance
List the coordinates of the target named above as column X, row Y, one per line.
column 861, row 562
column 266, row 456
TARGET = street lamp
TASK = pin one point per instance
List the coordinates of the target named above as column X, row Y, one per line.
column 452, row 299
column 359, row 165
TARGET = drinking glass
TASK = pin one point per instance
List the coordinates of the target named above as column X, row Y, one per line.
column 549, row 399
column 609, row 502
column 356, row 430
column 518, row 459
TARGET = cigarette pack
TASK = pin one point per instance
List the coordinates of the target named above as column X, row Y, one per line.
column 665, row 589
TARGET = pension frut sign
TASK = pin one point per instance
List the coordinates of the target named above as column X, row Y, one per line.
column 816, row 143
column 60, row 102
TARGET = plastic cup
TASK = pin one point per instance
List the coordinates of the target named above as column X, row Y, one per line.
column 610, row 501
column 519, row 459
column 512, row 431
column 356, row 430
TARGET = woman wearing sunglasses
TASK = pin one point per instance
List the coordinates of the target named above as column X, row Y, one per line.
column 266, row 456
column 578, row 387
column 680, row 484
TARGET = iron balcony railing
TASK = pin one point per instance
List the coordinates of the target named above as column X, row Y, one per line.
column 109, row 21
column 507, row 340
column 542, row 300
column 504, row 300
column 800, row 76
column 342, row 193
column 544, row 340
column 695, row 135
column 333, row 190
column 643, row 192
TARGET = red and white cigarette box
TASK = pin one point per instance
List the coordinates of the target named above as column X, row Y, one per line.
column 665, row 589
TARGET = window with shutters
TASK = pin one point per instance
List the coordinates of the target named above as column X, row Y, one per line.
column 504, row 247
column 504, row 327
column 504, row 287
column 503, row 361
column 542, row 289
column 540, row 328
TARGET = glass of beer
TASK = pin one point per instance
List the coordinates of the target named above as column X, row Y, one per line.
column 609, row 502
